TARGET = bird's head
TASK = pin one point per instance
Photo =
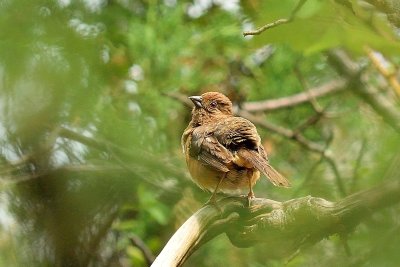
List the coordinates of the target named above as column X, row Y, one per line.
column 210, row 106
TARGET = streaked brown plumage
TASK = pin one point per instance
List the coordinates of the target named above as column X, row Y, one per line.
column 224, row 152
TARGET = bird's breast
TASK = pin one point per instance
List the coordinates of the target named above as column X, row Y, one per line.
column 207, row 178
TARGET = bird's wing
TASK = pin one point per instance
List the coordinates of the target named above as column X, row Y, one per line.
column 185, row 136
column 240, row 135
column 205, row 147
column 263, row 153
column 236, row 132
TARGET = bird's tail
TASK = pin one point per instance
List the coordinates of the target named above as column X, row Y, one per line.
column 263, row 166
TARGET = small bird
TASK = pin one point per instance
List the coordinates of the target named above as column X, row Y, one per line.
column 224, row 152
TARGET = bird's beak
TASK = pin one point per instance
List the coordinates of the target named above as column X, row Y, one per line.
column 196, row 101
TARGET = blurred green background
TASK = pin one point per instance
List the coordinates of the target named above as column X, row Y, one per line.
column 90, row 124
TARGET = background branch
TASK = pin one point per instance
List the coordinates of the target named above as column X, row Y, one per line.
column 385, row 68
column 390, row 7
column 329, row 88
column 143, row 158
column 139, row 243
column 381, row 105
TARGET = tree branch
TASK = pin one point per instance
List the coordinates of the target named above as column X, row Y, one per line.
column 385, row 68
column 297, row 99
column 381, row 105
column 288, row 227
column 267, row 26
column 390, row 7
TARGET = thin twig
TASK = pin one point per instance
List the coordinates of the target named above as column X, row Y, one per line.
column 309, row 122
column 267, row 26
column 338, row 176
column 308, row 176
column 319, row 111
column 139, row 243
column 313, row 100
column 357, row 166
column 277, row 22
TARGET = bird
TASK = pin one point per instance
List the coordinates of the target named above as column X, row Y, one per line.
column 223, row 152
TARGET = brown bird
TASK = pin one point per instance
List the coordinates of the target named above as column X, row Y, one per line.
column 224, row 152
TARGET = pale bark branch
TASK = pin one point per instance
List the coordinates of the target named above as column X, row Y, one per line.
column 385, row 68
column 297, row 99
column 285, row 227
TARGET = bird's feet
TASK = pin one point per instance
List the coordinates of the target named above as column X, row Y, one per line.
column 250, row 196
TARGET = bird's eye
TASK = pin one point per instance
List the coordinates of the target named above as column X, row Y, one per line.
column 213, row 104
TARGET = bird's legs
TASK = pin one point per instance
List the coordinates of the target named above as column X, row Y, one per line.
column 250, row 195
column 213, row 197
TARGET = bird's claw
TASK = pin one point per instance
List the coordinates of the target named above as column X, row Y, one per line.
column 250, row 196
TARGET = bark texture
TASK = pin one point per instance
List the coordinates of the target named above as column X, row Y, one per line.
column 287, row 226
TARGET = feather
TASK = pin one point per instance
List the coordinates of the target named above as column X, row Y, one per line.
column 263, row 166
